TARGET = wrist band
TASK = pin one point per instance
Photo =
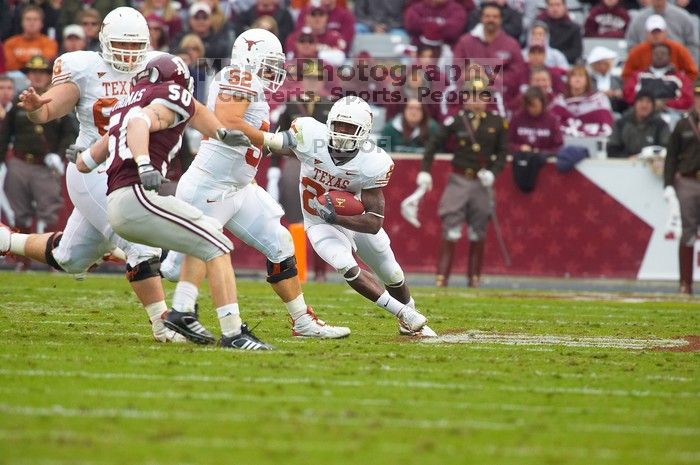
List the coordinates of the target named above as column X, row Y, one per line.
column 142, row 160
column 90, row 162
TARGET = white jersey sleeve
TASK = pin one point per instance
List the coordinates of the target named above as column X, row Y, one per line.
column 377, row 169
column 238, row 82
column 73, row 67
column 311, row 136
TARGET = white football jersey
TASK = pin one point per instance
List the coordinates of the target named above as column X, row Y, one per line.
column 371, row 168
column 100, row 85
column 235, row 165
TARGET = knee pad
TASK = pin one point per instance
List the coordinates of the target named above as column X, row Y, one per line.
column 391, row 274
column 144, row 270
column 285, row 269
column 51, row 244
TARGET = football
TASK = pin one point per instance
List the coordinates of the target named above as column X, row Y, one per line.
column 345, row 203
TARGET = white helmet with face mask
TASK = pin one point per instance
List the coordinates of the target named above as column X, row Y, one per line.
column 124, row 25
column 351, row 110
column 261, row 53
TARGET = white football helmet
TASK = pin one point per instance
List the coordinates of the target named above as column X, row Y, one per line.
column 350, row 110
column 124, row 24
column 261, row 52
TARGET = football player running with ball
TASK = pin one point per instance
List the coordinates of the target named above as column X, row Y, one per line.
column 91, row 84
column 337, row 156
column 221, row 182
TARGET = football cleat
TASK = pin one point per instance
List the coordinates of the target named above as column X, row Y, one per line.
column 163, row 334
column 425, row 331
column 411, row 319
column 5, row 234
column 308, row 325
column 187, row 324
column 246, row 340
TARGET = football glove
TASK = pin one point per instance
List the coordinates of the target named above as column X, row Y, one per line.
column 486, row 177
column 232, row 137
column 151, row 179
column 73, row 151
column 54, row 163
column 325, row 210
column 424, row 180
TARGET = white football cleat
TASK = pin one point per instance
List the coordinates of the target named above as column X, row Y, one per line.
column 308, row 325
column 5, row 234
column 425, row 331
column 411, row 319
column 163, row 334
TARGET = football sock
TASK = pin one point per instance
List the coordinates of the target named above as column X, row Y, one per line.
column 155, row 310
column 296, row 307
column 387, row 302
column 185, row 297
column 17, row 243
column 229, row 319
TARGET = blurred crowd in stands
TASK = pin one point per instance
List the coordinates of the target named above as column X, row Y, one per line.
column 606, row 69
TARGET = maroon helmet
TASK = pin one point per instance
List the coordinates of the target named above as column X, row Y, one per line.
column 165, row 68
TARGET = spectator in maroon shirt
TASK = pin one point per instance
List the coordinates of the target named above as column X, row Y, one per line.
column 493, row 44
column 316, row 23
column 535, row 61
column 533, row 129
column 448, row 14
column 339, row 19
column 163, row 9
column 158, row 32
column 607, row 19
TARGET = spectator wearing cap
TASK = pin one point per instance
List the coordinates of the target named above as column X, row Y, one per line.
column 639, row 58
column 20, row 48
column 338, row 19
column 73, row 39
column 285, row 22
column 512, row 22
column 33, row 181
column 448, row 15
column 539, row 35
column 491, row 42
column 158, row 33
column 303, row 44
column 533, row 129
column 170, row 21
column 607, row 19
column 565, row 35
column 216, row 45
column 680, row 26
column 639, row 127
column 90, row 20
column 600, row 63
column 583, row 111
column 672, row 89
column 433, row 39
column 378, row 17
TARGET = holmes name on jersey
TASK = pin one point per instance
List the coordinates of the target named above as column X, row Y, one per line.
column 131, row 99
column 329, row 180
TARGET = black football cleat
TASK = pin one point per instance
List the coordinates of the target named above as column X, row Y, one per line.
column 187, row 324
column 244, row 341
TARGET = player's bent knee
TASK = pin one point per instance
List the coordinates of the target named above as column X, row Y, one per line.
column 144, row 270
column 285, row 269
column 391, row 275
column 51, row 244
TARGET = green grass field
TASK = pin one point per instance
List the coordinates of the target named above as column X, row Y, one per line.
column 82, row 382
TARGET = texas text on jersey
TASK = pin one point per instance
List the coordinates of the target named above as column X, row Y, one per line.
column 371, row 168
column 100, row 87
column 162, row 146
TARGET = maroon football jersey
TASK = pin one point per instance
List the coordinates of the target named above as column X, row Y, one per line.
column 163, row 145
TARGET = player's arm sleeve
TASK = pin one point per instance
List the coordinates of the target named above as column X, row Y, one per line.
column 70, row 68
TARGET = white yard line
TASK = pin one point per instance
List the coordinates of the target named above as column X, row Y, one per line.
column 407, row 384
column 608, row 342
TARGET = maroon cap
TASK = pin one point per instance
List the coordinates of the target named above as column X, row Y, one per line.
column 433, row 35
